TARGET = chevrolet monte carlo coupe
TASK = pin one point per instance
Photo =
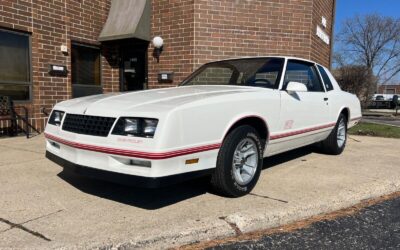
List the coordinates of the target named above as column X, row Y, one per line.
column 221, row 121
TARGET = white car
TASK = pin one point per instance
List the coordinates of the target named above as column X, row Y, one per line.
column 221, row 121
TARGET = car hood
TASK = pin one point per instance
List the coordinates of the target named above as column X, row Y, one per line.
column 157, row 100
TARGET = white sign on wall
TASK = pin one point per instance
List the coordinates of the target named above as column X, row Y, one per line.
column 324, row 22
column 321, row 34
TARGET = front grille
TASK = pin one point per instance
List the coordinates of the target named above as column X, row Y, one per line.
column 88, row 125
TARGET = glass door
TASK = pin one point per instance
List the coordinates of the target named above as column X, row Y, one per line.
column 133, row 69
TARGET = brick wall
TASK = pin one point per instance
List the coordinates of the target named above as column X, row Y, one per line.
column 173, row 21
column 199, row 31
column 389, row 89
column 52, row 24
column 320, row 51
column 227, row 28
column 194, row 32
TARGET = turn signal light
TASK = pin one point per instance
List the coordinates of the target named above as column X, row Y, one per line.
column 192, row 161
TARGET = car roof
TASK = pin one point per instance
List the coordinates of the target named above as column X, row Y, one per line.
column 258, row 57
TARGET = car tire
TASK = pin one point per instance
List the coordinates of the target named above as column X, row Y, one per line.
column 336, row 141
column 238, row 170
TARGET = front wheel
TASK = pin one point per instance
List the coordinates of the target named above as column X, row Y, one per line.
column 336, row 141
column 239, row 162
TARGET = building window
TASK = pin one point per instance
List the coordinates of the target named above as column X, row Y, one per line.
column 86, row 70
column 15, row 65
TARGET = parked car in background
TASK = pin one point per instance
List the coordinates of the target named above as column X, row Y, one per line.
column 383, row 97
column 384, row 101
column 221, row 121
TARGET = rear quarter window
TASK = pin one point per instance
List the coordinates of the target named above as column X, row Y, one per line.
column 325, row 78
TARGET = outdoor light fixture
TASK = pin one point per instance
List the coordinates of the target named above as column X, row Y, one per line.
column 158, row 44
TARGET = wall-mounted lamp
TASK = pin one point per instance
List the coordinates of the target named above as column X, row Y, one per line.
column 158, row 44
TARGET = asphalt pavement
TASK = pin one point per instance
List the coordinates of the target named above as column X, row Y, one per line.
column 382, row 120
column 374, row 227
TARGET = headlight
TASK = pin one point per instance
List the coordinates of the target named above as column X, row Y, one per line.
column 56, row 117
column 131, row 126
column 150, row 126
column 140, row 127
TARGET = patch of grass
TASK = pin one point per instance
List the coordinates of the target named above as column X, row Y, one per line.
column 372, row 129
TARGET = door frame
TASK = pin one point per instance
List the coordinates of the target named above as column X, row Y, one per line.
column 133, row 45
column 311, row 136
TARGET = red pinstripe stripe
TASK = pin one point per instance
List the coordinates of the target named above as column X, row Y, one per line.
column 171, row 154
column 131, row 153
column 302, row 131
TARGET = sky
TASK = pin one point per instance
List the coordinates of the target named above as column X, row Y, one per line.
column 349, row 8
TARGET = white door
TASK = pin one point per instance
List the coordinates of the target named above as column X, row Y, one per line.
column 304, row 117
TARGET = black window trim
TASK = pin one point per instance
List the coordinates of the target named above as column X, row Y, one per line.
column 30, row 83
column 321, row 80
column 312, row 64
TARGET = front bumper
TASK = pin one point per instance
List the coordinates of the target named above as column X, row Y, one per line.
column 95, row 157
column 126, row 179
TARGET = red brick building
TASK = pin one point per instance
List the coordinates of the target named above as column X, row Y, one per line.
column 389, row 89
column 55, row 50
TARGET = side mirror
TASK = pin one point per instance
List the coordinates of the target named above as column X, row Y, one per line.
column 293, row 87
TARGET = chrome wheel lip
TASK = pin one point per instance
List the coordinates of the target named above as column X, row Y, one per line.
column 245, row 161
column 341, row 133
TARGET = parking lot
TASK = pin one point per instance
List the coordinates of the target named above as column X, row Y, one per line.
column 43, row 207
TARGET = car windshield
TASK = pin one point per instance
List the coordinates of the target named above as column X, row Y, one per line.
column 257, row 72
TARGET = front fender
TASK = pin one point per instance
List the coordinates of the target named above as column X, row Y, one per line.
column 208, row 122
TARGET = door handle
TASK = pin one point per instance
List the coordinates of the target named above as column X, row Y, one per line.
column 326, row 99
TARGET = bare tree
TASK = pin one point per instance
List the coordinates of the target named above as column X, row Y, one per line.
column 357, row 80
column 372, row 41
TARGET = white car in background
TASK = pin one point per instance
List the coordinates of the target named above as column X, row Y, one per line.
column 383, row 97
column 222, row 121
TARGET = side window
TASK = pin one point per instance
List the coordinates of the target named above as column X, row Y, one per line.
column 325, row 77
column 267, row 75
column 303, row 72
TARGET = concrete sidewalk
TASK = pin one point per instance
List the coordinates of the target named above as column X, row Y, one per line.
column 43, row 207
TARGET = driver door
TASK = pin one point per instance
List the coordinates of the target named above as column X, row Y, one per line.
column 304, row 116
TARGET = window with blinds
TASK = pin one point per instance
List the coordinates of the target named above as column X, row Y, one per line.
column 86, row 70
column 15, row 65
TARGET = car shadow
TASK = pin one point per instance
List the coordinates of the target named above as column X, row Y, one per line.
column 288, row 156
column 152, row 199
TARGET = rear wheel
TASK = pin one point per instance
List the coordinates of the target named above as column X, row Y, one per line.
column 239, row 162
column 336, row 141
